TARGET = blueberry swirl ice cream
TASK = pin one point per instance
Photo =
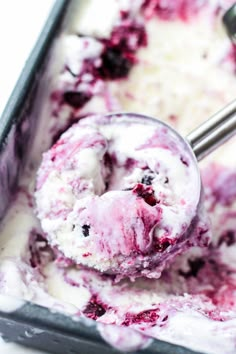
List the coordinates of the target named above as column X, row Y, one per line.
column 58, row 246
column 120, row 194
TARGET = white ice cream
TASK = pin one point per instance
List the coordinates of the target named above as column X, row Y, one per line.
column 186, row 73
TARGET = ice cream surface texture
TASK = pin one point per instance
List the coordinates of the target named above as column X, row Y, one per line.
column 120, row 194
column 168, row 59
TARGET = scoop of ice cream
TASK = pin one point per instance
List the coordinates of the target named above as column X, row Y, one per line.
column 120, row 194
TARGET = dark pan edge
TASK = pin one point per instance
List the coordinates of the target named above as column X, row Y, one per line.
column 67, row 332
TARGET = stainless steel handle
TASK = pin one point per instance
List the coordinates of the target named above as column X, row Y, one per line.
column 214, row 132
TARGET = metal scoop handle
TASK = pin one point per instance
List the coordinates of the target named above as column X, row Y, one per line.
column 214, row 132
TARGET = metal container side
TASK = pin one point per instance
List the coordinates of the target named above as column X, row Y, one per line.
column 17, row 123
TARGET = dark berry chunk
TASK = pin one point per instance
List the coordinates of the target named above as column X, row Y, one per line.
column 85, row 230
column 108, row 161
column 162, row 245
column 146, row 193
column 94, row 309
column 107, row 172
column 114, row 64
column 76, row 99
column 119, row 55
column 150, row 199
column 149, row 316
column 195, row 266
column 147, row 179
column 40, row 251
column 228, row 237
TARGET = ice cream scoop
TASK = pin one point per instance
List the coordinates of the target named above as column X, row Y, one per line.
column 214, row 132
column 121, row 193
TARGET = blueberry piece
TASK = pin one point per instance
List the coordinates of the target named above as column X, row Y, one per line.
column 195, row 266
column 114, row 64
column 76, row 99
column 85, row 230
column 95, row 308
column 228, row 237
column 147, row 179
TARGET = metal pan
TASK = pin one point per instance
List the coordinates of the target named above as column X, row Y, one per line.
column 32, row 325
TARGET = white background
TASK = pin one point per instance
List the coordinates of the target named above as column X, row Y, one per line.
column 20, row 24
